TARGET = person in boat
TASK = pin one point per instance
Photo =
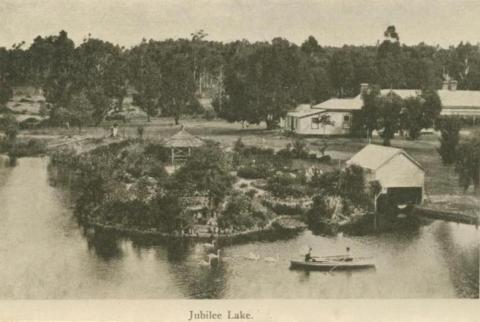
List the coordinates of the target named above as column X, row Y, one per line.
column 348, row 257
column 308, row 255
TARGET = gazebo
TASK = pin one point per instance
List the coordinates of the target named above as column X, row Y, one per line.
column 181, row 145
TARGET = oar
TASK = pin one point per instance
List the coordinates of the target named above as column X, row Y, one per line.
column 331, row 269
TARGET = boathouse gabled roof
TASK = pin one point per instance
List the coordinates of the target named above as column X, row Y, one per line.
column 183, row 139
column 374, row 156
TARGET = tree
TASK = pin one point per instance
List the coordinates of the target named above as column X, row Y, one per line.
column 411, row 117
column 313, row 72
column 177, row 84
column 369, row 114
column 389, row 108
column 58, row 85
column 145, row 75
column 79, row 111
column 389, row 61
column 351, row 184
column 205, row 171
column 391, row 34
column 9, row 126
column 262, row 81
column 6, row 93
column 311, row 46
column 100, row 72
column 324, row 120
column 342, row 72
column 450, row 136
column 162, row 74
column 432, row 107
column 468, row 164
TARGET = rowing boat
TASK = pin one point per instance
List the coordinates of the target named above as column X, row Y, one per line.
column 333, row 263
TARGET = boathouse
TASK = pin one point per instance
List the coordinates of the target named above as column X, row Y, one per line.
column 402, row 178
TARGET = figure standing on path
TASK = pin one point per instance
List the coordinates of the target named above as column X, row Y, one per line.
column 114, row 130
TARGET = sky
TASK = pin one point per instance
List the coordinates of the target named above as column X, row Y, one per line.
column 331, row 22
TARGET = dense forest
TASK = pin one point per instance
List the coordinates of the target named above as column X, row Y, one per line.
column 248, row 82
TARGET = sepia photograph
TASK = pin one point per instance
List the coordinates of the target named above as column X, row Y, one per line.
column 241, row 150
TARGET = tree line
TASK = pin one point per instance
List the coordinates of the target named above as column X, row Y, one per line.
column 248, row 81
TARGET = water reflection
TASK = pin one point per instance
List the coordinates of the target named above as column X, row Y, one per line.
column 462, row 259
column 104, row 245
column 200, row 282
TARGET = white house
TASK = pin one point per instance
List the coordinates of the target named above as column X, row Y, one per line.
column 339, row 111
column 401, row 177
column 306, row 119
column 454, row 102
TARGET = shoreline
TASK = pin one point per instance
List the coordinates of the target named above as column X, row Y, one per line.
column 272, row 230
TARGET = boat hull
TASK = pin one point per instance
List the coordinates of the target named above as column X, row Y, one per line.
column 330, row 265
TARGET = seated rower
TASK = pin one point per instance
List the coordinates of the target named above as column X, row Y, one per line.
column 348, row 258
column 308, row 256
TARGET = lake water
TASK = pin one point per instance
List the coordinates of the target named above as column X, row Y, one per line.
column 44, row 254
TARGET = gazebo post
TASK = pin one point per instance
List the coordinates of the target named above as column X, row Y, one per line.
column 183, row 142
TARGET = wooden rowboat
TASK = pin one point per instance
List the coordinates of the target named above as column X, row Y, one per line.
column 330, row 264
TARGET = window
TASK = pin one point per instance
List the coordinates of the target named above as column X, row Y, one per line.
column 315, row 123
column 346, row 121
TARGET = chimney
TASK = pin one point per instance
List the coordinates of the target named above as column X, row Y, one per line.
column 445, row 85
column 453, row 85
column 363, row 88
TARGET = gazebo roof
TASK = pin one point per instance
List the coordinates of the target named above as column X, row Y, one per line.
column 183, row 139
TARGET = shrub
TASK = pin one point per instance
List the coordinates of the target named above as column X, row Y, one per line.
column 467, row 164
column 140, row 130
column 285, row 209
column 351, row 184
column 450, row 136
column 325, row 159
column 29, row 123
column 209, row 115
column 32, row 147
column 238, row 146
column 158, row 151
column 251, row 193
column 242, row 213
column 326, row 182
column 249, row 172
column 5, row 110
column 284, row 185
column 299, row 149
column 325, row 208
column 116, row 117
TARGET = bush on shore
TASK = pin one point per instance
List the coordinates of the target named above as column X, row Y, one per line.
column 243, row 212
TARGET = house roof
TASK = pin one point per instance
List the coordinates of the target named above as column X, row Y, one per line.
column 183, row 139
column 471, row 111
column 457, row 98
column 374, row 156
column 347, row 104
column 403, row 93
column 305, row 113
column 302, row 108
column 449, row 98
